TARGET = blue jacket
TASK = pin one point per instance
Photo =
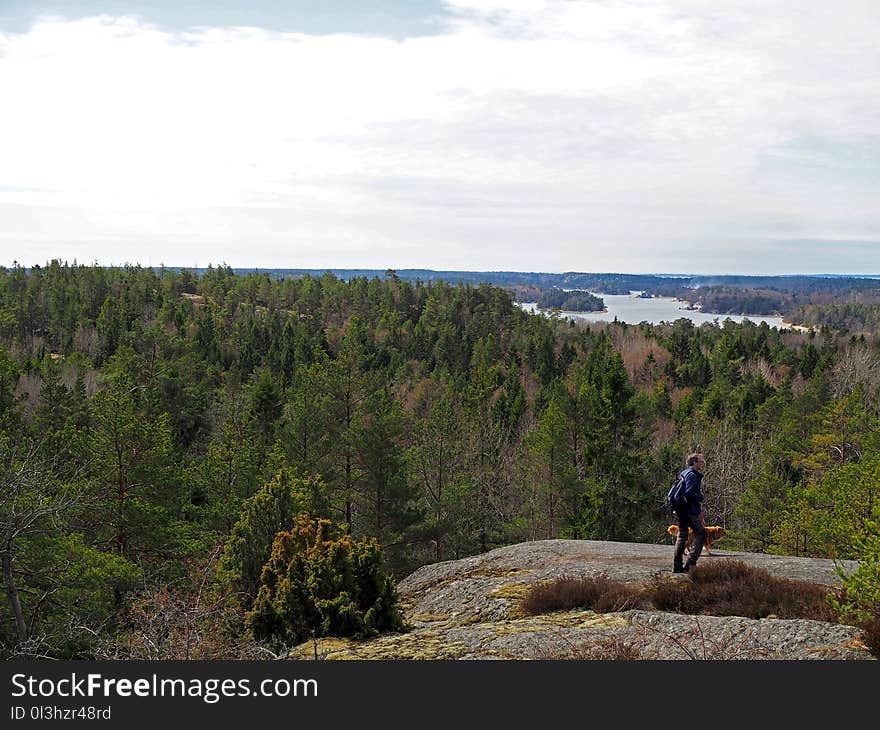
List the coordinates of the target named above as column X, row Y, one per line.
column 692, row 482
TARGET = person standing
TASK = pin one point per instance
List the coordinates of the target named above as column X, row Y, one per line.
column 690, row 516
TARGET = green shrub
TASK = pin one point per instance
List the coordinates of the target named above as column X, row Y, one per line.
column 262, row 517
column 320, row 583
column 859, row 599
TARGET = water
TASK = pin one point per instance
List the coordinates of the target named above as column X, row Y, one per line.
column 632, row 309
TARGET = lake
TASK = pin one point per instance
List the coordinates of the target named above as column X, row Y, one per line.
column 632, row 309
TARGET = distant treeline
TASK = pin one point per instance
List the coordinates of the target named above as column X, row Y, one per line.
column 739, row 300
column 858, row 316
column 608, row 283
column 728, row 294
column 787, row 296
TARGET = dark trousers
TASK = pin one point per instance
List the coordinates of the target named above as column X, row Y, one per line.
column 688, row 522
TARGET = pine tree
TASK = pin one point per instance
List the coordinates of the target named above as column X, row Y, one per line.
column 131, row 453
column 385, row 500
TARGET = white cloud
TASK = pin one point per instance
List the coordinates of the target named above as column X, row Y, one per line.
column 525, row 135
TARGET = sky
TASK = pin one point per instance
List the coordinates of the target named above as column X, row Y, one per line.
column 637, row 136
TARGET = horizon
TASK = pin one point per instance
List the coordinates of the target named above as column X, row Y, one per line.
column 382, row 270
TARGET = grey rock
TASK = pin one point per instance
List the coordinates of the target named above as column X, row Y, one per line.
column 469, row 609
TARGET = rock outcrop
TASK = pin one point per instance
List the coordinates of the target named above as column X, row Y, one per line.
column 469, row 609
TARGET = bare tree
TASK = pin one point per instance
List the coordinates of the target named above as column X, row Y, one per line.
column 858, row 368
column 31, row 501
column 192, row 619
column 731, row 457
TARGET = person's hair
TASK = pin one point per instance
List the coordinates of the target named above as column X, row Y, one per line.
column 693, row 458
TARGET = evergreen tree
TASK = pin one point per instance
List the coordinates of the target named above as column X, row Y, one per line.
column 385, row 502
column 437, row 462
column 550, row 474
column 130, row 466
column 319, row 582
column 270, row 511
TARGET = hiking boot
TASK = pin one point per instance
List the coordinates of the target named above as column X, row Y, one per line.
column 680, row 569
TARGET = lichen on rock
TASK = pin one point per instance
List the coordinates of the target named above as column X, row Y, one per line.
column 470, row 609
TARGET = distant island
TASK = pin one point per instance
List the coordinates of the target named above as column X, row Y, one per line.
column 570, row 301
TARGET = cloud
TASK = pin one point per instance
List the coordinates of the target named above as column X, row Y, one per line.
column 537, row 135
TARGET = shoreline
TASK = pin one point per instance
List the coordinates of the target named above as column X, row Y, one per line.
column 694, row 307
column 568, row 311
column 797, row 327
column 687, row 310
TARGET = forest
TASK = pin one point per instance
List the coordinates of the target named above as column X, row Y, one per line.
column 168, row 438
column 803, row 299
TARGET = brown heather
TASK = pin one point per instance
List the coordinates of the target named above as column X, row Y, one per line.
column 871, row 635
column 600, row 593
column 732, row 588
column 729, row 588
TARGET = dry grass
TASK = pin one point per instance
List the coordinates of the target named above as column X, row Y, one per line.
column 732, row 588
column 599, row 593
column 728, row 588
column 613, row 648
column 600, row 648
column 871, row 635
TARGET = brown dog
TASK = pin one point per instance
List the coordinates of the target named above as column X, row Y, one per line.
column 712, row 534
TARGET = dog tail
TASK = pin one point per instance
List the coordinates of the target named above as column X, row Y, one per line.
column 672, row 530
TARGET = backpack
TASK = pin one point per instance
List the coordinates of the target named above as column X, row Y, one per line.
column 675, row 497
